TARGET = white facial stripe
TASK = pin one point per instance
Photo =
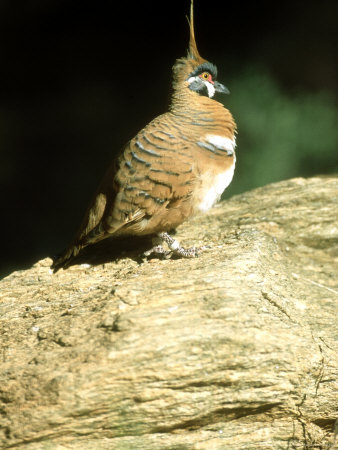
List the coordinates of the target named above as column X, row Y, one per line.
column 210, row 87
column 222, row 142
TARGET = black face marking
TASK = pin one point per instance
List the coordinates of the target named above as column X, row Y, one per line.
column 205, row 67
column 200, row 87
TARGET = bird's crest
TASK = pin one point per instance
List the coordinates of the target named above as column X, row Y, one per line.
column 193, row 52
column 184, row 66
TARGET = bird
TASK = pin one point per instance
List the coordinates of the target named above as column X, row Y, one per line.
column 178, row 165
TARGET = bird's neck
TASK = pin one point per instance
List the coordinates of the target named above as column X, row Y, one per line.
column 194, row 110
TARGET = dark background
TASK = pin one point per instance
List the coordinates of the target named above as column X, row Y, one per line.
column 78, row 79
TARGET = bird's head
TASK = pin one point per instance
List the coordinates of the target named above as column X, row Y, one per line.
column 194, row 72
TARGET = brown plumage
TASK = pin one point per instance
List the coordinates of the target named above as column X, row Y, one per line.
column 177, row 165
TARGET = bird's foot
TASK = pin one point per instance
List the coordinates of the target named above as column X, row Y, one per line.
column 191, row 252
column 174, row 247
column 158, row 250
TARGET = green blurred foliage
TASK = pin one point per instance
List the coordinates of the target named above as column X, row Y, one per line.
column 280, row 134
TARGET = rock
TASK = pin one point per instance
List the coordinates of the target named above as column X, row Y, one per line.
column 236, row 349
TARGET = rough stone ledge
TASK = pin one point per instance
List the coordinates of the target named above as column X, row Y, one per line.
column 236, row 349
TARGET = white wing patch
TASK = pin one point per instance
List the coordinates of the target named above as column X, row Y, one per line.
column 222, row 142
column 213, row 194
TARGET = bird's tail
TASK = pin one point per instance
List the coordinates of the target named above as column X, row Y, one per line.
column 64, row 260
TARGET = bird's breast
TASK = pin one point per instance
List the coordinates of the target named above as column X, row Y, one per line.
column 215, row 176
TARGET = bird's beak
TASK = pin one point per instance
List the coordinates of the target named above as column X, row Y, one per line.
column 221, row 88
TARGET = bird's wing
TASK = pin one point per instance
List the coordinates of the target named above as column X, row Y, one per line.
column 153, row 171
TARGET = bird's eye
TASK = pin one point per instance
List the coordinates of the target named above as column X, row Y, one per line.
column 206, row 75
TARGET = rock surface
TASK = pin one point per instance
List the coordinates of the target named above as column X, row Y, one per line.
column 236, row 349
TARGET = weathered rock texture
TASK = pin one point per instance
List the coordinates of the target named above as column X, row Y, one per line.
column 236, row 349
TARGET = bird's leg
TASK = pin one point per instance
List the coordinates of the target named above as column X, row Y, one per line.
column 176, row 248
column 157, row 248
